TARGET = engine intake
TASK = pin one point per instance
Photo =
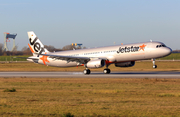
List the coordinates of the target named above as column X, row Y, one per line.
column 125, row 64
column 97, row 63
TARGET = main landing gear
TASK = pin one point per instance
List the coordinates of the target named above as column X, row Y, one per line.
column 87, row 71
column 106, row 71
column 154, row 65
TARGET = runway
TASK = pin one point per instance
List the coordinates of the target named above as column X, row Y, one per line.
column 164, row 74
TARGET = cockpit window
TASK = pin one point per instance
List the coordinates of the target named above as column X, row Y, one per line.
column 158, row 46
column 163, row 45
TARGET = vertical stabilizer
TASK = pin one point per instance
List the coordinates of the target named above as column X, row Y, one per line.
column 35, row 44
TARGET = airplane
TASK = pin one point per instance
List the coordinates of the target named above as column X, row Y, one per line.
column 119, row 55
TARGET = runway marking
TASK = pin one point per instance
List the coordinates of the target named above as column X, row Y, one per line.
column 77, row 73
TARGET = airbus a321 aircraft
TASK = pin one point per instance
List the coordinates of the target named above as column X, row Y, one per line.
column 120, row 55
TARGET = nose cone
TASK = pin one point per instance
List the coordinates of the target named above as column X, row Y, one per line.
column 167, row 51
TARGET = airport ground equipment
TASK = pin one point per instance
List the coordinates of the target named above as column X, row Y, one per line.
column 6, row 39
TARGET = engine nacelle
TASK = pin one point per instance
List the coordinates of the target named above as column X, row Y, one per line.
column 125, row 64
column 97, row 63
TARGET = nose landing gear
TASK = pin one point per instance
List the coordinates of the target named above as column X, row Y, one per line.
column 154, row 65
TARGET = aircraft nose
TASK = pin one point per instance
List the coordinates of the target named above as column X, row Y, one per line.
column 168, row 50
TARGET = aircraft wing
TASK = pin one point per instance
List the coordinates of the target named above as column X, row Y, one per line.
column 79, row 59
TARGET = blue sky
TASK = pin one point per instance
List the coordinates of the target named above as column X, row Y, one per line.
column 93, row 23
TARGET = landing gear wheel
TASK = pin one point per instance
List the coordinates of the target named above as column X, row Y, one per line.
column 154, row 66
column 87, row 71
column 107, row 71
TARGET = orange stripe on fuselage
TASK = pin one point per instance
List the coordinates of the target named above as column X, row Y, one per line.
column 108, row 62
column 31, row 48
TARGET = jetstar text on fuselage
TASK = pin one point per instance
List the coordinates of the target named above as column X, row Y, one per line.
column 131, row 49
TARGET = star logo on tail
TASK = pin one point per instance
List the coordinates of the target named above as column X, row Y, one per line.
column 142, row 47
column 44, row 59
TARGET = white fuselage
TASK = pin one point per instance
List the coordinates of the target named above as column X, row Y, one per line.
column 114, row 54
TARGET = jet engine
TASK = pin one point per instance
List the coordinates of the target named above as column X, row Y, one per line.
column 97, row 63
column 125, row 64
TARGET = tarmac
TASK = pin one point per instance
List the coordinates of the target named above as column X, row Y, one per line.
column 154, row 74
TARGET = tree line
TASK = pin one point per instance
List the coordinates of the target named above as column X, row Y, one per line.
column 26, row 51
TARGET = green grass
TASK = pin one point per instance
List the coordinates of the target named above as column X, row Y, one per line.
column 11, row 58
column 91, row 97
column 173, row 56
